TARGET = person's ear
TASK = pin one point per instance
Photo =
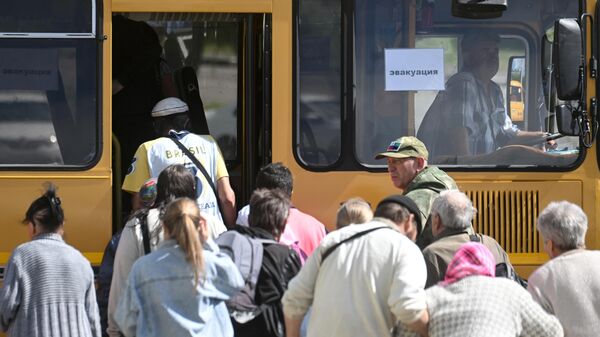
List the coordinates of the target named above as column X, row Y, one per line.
column 31, row 231
column 552, row 250
column 436, row 224
column 409, row 227
column 420, row 164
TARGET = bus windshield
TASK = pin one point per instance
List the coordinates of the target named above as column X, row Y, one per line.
column 452, row 82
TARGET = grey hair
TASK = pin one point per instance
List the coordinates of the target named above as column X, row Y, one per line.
column 564, row 223
column 454, row 208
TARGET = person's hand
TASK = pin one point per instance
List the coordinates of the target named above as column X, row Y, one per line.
column 550, row 145
column 537, row 139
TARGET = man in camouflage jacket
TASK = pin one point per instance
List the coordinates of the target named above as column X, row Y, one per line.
column 407, row 165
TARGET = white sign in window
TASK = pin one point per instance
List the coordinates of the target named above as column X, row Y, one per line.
column 29, row 69
column 414, row 69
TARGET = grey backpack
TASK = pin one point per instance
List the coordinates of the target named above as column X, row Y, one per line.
column 247, row 254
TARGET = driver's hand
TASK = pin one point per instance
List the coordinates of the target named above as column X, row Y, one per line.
column 550, row 145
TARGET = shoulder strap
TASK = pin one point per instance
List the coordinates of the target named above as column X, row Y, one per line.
column 143, row 220
column 199, row 166
column 475, row 238
column 352, row 237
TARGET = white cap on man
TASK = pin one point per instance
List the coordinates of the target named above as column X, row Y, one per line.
column 169, row 106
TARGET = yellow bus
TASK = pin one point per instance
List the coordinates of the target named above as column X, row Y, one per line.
column 309, row 83
column 516, row 104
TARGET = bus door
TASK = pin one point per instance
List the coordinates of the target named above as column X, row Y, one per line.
column 218, row 63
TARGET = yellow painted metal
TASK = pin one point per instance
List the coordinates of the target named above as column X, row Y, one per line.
column 94, row 257
column 216, row 6
column 513, row 223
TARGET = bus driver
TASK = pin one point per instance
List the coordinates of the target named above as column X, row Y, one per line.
column 469, row 117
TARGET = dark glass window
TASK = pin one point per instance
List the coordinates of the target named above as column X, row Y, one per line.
column 318, row 106
column 43, row 16
column 48, row 102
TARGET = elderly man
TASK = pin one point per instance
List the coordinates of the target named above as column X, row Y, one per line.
column 171, row 121
column 451, row 216
column 407, row 164
column 469, row 118
column 362, row 279
column 568, row 286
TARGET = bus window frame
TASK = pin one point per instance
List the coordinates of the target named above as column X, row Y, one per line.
column 334, row 166
column 100, row 38
column 348, row 159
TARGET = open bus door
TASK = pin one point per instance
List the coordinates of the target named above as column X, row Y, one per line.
column 219, row 63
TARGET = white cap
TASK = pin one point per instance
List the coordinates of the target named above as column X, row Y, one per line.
column 169, row 106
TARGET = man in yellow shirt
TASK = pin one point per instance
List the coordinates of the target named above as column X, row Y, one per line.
column 171, row 120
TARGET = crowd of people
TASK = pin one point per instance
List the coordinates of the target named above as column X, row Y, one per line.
column 186, row 265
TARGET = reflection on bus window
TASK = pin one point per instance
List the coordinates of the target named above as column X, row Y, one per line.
column 318, row 110
column 469, row 122
column 379, row 113
column 516, row 101
column 48, row 105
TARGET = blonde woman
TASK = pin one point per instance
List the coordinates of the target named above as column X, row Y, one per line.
column 180, row 289
column 353, row 211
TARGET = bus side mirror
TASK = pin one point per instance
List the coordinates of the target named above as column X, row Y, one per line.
column 482, row 9
column 567, row 58
column 515, row 93
column 566, row 124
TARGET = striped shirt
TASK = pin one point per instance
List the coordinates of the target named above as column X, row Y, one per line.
column 49, row 291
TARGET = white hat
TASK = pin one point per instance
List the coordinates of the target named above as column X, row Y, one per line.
column 169, row 106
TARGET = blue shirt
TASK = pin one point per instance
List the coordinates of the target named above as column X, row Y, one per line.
column 161, row 300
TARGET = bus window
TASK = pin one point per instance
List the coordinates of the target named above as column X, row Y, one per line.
column 466, row 120
column 318, row 106
column 379, row 113
column 49, row 106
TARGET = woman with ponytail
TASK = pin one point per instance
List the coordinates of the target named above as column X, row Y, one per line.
column 181, row 288
column 48, row 285
column 143, row 232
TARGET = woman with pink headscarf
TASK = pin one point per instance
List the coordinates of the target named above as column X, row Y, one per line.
column 471, row 301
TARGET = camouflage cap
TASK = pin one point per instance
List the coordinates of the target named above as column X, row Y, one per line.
column 405, row 147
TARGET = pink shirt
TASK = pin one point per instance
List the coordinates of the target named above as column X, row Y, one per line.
column 301, row 229
column 304, row 230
